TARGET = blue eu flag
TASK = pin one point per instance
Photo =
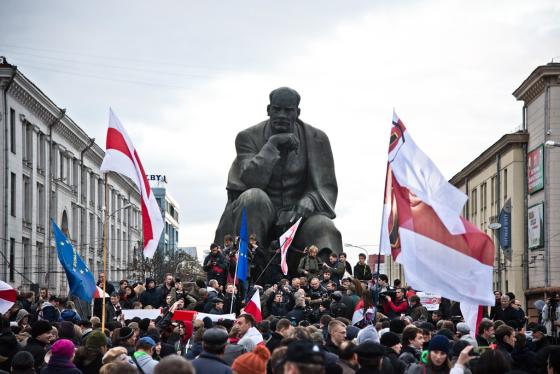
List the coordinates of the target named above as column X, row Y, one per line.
column 80, row 279
column 243, row 260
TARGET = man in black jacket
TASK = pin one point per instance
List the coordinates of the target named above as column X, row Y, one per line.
column 284, row 329
column 211, row 360
column 215, row 265
column 41, row 336
column 362, row 270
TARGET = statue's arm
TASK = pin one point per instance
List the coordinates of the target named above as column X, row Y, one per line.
column 255, row 164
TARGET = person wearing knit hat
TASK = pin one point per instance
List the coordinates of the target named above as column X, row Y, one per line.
column 252, row 362
column 89, row 357
column 41, row 335
column 437, row 360
column 22, row 363
column 60, row 362
column 96, row 339
column 127, row 339
column 392, row 344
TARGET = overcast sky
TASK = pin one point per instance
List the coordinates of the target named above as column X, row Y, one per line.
column 185, row 76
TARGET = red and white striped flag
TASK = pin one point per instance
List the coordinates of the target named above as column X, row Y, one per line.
column 253, row 307
column 7, row 297
column 285, row 241
column 121, row 157
column 98, row 294
column 423, row 229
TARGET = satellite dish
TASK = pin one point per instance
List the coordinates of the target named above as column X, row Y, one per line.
column 494, row 225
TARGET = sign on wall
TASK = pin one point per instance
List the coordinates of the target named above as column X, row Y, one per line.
column 535, row 169
column 535, row 226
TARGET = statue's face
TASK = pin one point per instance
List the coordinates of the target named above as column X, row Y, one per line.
column 283, row 111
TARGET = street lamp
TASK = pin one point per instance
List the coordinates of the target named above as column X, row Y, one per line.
column 348, row 245
column 551, row 144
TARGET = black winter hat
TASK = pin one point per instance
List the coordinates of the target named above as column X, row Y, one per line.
column 40, row 327
column 125, row 333
column 389, row 339
column 144, row 324
column 396, row 325
column 22, row 360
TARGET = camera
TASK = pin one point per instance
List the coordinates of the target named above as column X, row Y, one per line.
column 391, row 293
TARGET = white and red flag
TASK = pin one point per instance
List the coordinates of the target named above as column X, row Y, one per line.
column 285, row 241
column 422, row 227
column 7, row 297
column 253, row 307
column 121, row 157
column 98, row 294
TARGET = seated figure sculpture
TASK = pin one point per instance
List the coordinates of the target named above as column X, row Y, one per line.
column 284, row 170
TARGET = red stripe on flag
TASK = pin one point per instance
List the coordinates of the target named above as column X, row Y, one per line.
column 416, row 216
column 8, row 295
column 146, row 224
column 144, row 178
column 116, row 141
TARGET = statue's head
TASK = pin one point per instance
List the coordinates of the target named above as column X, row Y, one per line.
column 283, row 109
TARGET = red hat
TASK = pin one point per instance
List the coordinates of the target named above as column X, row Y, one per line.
column 252, row 362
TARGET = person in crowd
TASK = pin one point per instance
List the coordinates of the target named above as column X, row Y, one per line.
column 151, row 295
column 252, row 362
column 342, row 259
column 109, row 288
column 304, row 357
column 8, row 344
column 114, row 307
column 325, row 278
column 22, row 363
column 60, row 361
column 504, row 311
column 174, row 365
column 211, row 359
column 348, row 359
column 463, row 332
column 393, row 346
column 41, row 337
column 278, row 306
column 336, row 267
column 218, row 307
column 248, row 335
column 551, row 315
column 215, row 265
column 417, row 311
column 393, row 308
column 485, row 333
column 437, row 360
column 370, row 358
column 310, row 265
column 337, row 335
column 505, row 340
column 412, row 344
column 127, row 339
column 145, row 349
column 284, row 329
column 315, row 294
column 362, row 271
column 128, row 297
column 89, row 358
column 165, row 289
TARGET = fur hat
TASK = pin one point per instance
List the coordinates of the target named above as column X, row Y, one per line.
column 390, row 339
column 40, row 327
column 252, row 362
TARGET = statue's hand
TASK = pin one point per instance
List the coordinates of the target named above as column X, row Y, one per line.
column 284, row 141
column 305, row 207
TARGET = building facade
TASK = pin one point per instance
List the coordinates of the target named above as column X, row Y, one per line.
column 495, row 184
column 540, row 94
column 50, row 170
column 169, row 241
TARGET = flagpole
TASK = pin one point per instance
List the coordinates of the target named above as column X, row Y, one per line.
column 105, row 234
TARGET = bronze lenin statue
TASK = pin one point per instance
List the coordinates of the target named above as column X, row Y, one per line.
column 284, row 170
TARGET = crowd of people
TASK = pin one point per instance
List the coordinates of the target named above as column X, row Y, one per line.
column 329, row 318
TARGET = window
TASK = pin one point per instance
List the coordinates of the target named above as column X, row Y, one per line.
column 83, row 184
column 41, row 151
column 75, row 174
column 27, row 258
column 474, row 203
column 12, row 259
column 92, row 183
column 91, row 231
column 40, row 259
column 40, row 204
column 13, row 185
column 100, row 196
column 27, row 142
column 492, row 191
column 13, row 130
column 27, row 199
column 61, row 168
column 505, row 184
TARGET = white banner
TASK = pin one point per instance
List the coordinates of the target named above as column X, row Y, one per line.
column 141, row 313
column 430, row 300
column 215, row 317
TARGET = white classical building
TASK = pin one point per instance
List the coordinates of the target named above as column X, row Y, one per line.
column 50, row 169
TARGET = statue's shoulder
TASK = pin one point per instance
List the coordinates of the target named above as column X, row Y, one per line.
column 255, row 129
column 314, row 131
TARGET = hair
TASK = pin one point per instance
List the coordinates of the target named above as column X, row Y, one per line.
column 118, row 368
column 484, row 325
column 343, row 254
column 347, row 349
column 414, row 299
column 174, row 364
column 334, row 323
column 446, row 364
column 283, row 324
column 491, row 361
column 409, row 333
column 362, row 255
column 384, row 278
column 325, row 319
column 228, row 237
column 213, row 245
column 277, row 359
column 502, row 332
column 249, row 319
